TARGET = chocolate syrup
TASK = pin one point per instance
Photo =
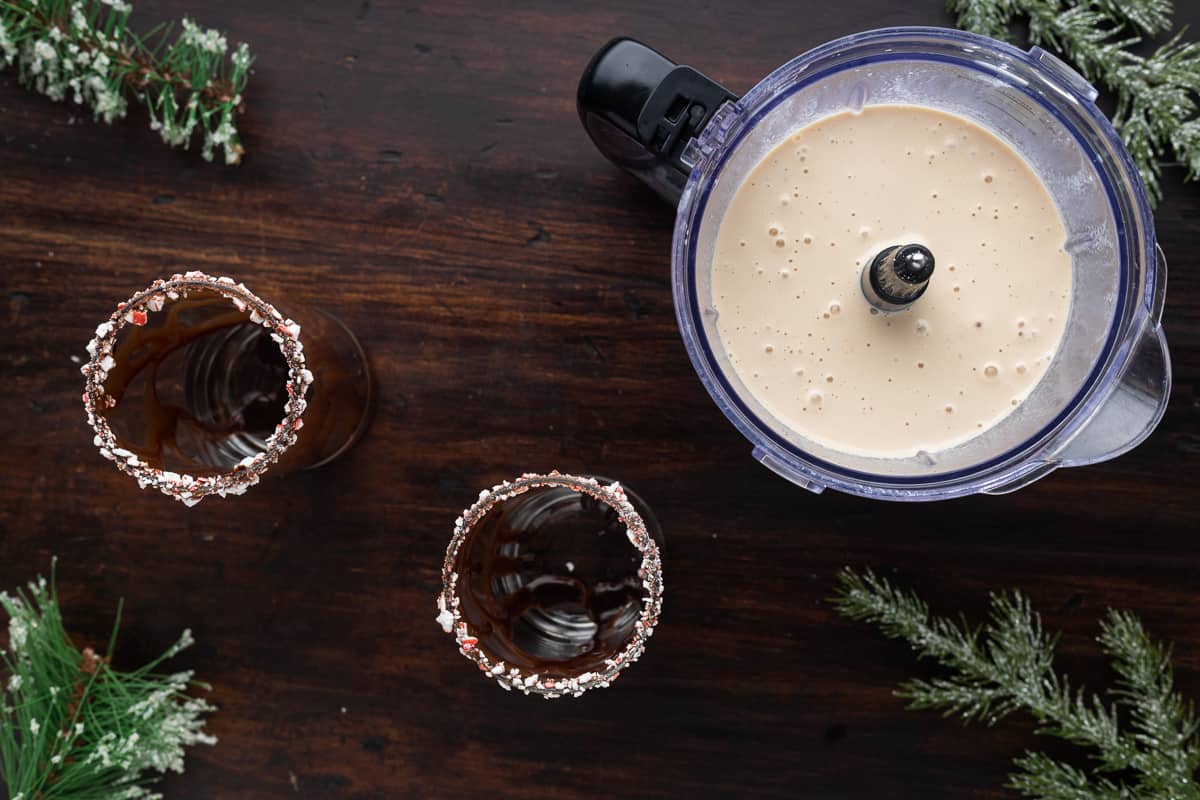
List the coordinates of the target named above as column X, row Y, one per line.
column 201, row 386
column 198, row 388
column 548, row 581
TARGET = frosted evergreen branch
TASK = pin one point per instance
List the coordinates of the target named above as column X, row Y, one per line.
column 84, row 51
column 1165, row 725
column 1156, row 94
column 993, row 17
column 986, row 17
column 1186, row 141
column 1041, row 777
column 1008, row 666
column 1145, row 16
column 74, row 728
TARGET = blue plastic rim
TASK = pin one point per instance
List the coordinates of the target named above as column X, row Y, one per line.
column 1119, row 179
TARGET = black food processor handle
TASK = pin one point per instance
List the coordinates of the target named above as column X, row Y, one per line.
column 642, row 110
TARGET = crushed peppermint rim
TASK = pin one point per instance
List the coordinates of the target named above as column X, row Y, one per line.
column 136, row 310
column 553, row 685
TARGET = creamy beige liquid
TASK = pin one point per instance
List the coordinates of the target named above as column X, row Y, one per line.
column 793, row 319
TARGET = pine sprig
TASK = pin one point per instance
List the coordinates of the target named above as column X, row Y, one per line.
column 84, row 50
column 1145, row 16
column 985, row 17
column 74, row 728
column 1008, row 666
column 1156, row 94
column 1040, row 776
column 1165, row 726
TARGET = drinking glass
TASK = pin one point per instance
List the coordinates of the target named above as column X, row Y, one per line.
column 552, row 584
column 197, row 386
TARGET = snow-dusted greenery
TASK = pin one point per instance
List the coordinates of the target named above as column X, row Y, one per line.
column 1141, row 737
column 74, row 728
column 83, row 51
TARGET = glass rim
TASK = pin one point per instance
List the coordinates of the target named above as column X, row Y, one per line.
column 553, row 685
column 186, row 488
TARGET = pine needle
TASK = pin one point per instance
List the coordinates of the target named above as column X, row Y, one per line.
column 84, row 51
column 74, row 728
column 985, row 17
column 1008, row 666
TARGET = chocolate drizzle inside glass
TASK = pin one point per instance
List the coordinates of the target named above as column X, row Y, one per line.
column 198, row 388
column 549, row 581
column 552, row 584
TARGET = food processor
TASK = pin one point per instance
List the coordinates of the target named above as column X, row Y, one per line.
column 693, row 142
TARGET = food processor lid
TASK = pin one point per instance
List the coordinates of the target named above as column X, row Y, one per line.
column 1029, row 86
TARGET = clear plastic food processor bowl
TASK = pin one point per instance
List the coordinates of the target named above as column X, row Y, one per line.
column 1108, row 384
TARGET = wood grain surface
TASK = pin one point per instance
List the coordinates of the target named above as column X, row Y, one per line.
column 418, row 169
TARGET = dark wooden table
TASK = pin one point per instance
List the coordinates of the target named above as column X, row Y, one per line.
column 418, row 169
